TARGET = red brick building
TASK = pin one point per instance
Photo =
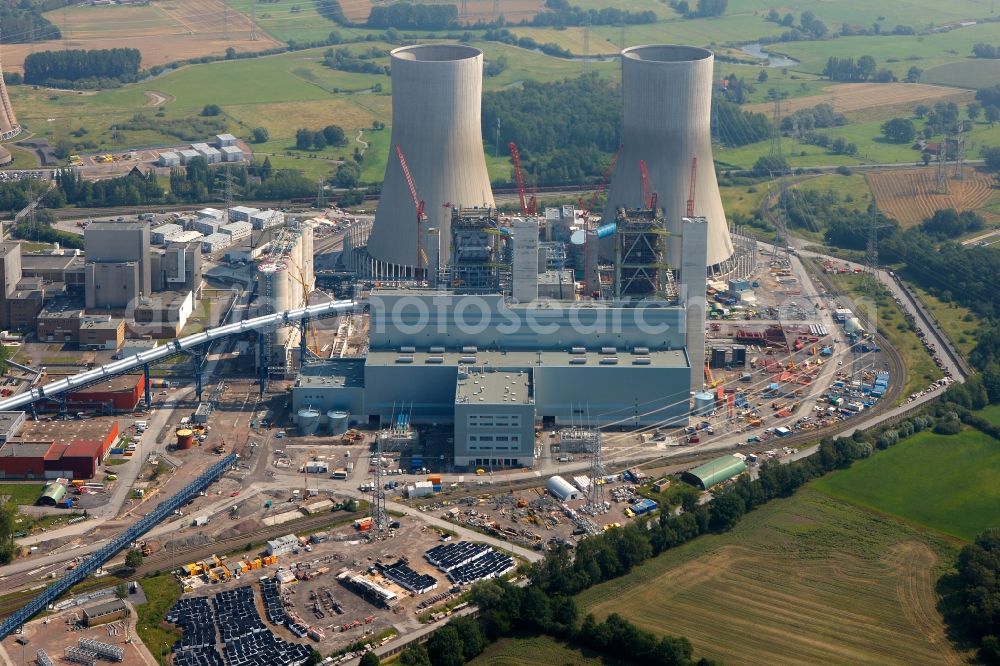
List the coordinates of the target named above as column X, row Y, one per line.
column 118, row 394
column 42, row 451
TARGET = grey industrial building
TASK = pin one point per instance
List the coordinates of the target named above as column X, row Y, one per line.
column 118, row 266
column 177, row 268
column 494, row 368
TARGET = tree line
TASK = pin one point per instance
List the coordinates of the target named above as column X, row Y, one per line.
column 364, row 63
column 563, row 14
column 849, row 70
column 988, row 51
column 74, row 65
column 972, row 599
column 24, row 23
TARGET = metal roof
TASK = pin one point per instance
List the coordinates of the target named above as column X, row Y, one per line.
column 715, row 471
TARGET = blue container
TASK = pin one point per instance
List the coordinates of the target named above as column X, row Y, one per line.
column 606, row 230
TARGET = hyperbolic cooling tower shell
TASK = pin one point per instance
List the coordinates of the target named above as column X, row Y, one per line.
column 666, row 121
column 436, row 120
column 8, row 121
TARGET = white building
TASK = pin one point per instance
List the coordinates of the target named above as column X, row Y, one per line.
column 231, row 154
column 561, row 489
column 266, row 219
column 188, row 155
column 187, row 237
column 169, row 159
column 236, row 230
column 242, row 213
column 225, row 140
column 282, row 545
column 214, row 213
column 215, row 242
column 206, row 225
column 165, row 233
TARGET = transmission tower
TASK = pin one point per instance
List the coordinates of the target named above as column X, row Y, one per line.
column 465, row 8
column 595, row 494
column 941, row 177
column 496, row 9
column 960, row 152
column 225, row 20
column 380, row 520
column 775, row 150
column 781, row 238
column 871, row 251
column 586, row 47
column 253, row 23
column 320, row 193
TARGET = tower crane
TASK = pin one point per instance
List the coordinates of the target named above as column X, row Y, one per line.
column 528, row 206
column 694, row 180
column 419, row 205
column 649, row 200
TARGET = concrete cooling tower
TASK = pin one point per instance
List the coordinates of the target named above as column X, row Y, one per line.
column 8, row 121
column 436, row 106
column 666, row 121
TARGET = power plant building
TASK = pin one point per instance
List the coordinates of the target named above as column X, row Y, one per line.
column 667, row 110
column 436, row 122
column 284, row 277
column 118, row 268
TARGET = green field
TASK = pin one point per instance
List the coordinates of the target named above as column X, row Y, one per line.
column 948, row 483
column 22, row 493
column 162, row 592
column 536, row 651
column 965, row 74
column 810, row 579
column 916, row 13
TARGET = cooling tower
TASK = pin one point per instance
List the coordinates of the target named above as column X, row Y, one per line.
column 436, row 105
column 667, row 107
column 8, row 121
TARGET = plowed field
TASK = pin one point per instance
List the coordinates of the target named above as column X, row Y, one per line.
column 910, row 196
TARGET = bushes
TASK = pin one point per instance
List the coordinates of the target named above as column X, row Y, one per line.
column 972, row 607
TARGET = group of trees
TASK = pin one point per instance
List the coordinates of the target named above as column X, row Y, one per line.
column 849, row 70
column 75, row 65
column 899, row 130
column 363, row 63
column 985, row 51
column 331, row 135
column 809, row 26
column 736, row 127
column 562, row 14
column 702, row 8
column 818, row 117
column 949, row 223
column 23, row 22
column 8, row 548
column 132, row 190
column 582, row 120
column 836, row 145
column 411, row 16
column 973, row 605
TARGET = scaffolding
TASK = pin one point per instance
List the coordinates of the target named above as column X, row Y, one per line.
column 641, row 271
column 103, row 650
column 596, row 504
column 480, row 258
column 380, row 519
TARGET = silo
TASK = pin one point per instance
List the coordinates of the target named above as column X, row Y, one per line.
column 308, row 421
column 436, row 121
column 704, row 403
column 185, row 438
column 8, row 121
column 275, row 295
column 337, row 421
column 667, row 109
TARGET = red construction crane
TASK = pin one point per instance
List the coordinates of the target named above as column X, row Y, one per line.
column 418, row 204
column 694, row 180
column 649, row 200
column 602, row 185
column 527, row 207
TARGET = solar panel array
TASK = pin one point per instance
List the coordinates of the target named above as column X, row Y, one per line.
column 401, row 574
column 466, row 562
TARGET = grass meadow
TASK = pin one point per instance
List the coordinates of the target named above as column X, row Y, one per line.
column 948, row 483
column 809, row 579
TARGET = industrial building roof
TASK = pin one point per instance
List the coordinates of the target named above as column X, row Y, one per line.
column 715, row 471
column 211, row 212
column 343, row 373
column 114, row 226
column 82, row 448
column 25, row 449
column 495, row 388
column 237, row 226
column 231, row 149
column 553, row 277
column 49, row 261
column 103, row 609
column 676, row 358
column 8, row 420
column 167, row 229
column 61, row 310
column 64, row 431
column 186, row 237
column 246, row 210
column 102, row 324
column 5, row 248
column 225, row 137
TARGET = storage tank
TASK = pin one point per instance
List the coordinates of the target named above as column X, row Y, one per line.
column 308, row 421
column 436, row 121
column 666, row 116
column 185, row 438
column 337, row 421
column 704, row 403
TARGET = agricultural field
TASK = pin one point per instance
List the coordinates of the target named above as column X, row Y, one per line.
column 916, row 13
column 965, row 74
column 571, row 39
column 536, row 651
column 809, row 579
column 919, row 368
column 948, row 483
column 164, row 31
column 848, row 98
column 289, row 21
column 909, row 196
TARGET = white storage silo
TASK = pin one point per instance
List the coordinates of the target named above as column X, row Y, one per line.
column 704, row 403
column 308, row 421
column 337, row 421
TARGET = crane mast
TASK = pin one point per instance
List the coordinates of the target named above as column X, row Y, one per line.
column 418, row 205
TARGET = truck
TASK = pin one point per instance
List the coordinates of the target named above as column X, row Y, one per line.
column 199, row 521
